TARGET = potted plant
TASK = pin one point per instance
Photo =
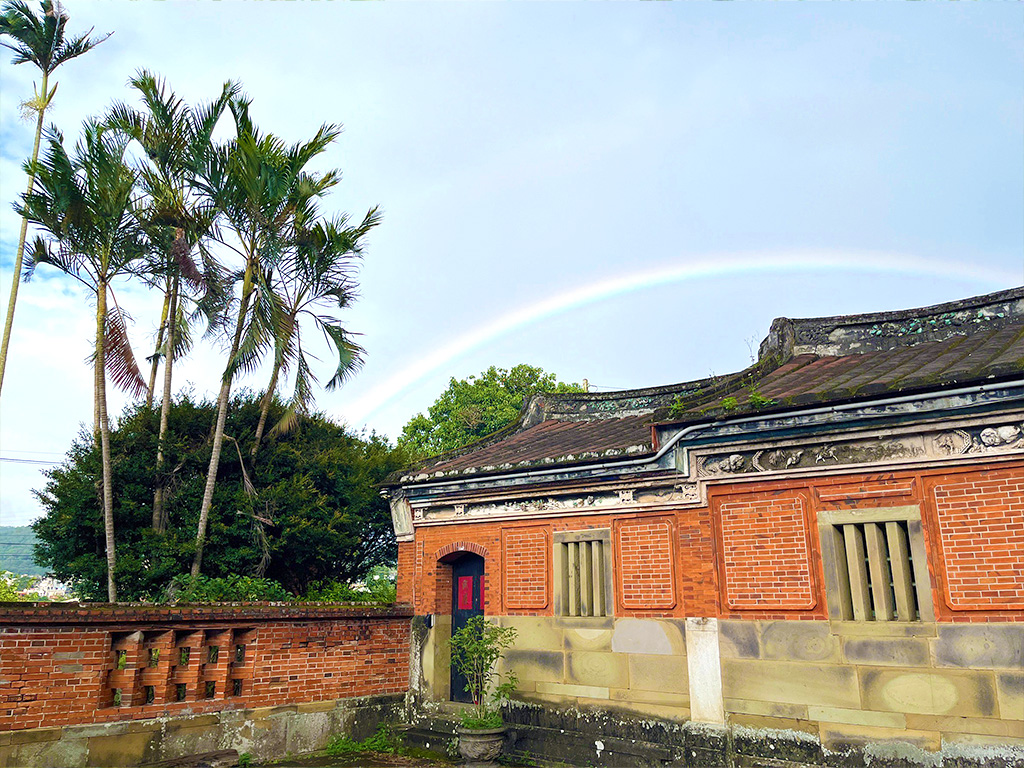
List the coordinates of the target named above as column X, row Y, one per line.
column 476, row 649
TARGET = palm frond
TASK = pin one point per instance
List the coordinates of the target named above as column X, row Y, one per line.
column 351, row 356
column 258, row 335
column 118, row 358
column 40, row 39
column 182, row 334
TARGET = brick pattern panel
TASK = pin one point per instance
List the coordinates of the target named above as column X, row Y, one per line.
column 698, row 581
column 405, row 588
column 759, row 546
column 61, row 665
column 981, row 535
column 526, row 553
column 646, row 563
column 766, row 553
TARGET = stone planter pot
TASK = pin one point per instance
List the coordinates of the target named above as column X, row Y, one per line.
column 481, row 746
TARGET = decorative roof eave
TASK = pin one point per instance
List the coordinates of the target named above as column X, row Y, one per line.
column 737, row 395
column 828, row 417
column 568, row 461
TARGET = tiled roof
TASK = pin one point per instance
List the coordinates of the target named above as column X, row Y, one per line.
column 553, row 438
column 802, row 362
column 807, row 379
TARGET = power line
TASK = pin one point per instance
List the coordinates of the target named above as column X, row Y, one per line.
column 29, row 461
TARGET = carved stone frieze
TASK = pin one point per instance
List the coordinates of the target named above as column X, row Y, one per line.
column 979, row 440
column 689, row 493
column 640, row 498
column 984, row 439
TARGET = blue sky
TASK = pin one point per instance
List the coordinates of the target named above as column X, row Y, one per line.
column 854, row 157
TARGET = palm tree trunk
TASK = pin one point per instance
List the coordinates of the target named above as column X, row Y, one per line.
column 159, row 517
column 268, row 398
column 156, row 350
column 222, row 415
column 104, row 430
column 9, row 321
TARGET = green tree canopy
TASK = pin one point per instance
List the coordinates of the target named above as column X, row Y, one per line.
column 477, row 406
column 307, row 509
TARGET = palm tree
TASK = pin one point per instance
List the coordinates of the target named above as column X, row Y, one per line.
column 257, row 183
column 176, row 139
column 39, row 41
column 318, row 272
column 86, row 206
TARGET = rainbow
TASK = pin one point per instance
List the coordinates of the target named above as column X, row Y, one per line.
column 362, row 409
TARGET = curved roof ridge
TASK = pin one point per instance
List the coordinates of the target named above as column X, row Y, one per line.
column 882, row 331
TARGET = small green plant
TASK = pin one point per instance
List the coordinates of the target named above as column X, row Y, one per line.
column 757, row 400
column 678, row 407
column 476, row 649
column 244, row 760
column 729, row 403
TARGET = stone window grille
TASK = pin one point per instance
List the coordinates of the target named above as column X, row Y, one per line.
column 583, row 573
column 875, row 564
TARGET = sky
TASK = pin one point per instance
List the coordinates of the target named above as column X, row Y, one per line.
column 626, row 193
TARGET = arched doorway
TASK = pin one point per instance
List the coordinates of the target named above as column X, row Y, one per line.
column 467, row 602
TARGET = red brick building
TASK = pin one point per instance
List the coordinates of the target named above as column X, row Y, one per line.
column 828, row 545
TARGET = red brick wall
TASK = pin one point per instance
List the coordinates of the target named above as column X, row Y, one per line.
column 979, row 538
column 753, row 552
column 982, row 503
column 766, row 551
column 526, row 553
column 60, row 663
column 644, row 563
column 405, row 588
column 698, row 583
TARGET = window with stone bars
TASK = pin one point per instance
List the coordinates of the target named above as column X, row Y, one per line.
column 583, row 573
column 875, row 564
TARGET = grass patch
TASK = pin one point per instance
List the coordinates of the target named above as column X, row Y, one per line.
column 383, row 740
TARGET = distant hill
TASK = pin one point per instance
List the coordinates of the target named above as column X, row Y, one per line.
column 16, row 551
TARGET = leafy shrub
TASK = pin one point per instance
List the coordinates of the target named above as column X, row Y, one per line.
column 9, row 590
column 476, row 649
column 378, row 586
column 227, row 589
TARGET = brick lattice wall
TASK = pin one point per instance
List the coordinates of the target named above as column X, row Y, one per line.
column 754, row 553
column 766, row 551
column 643, row 551
column 65, row 664
column 526, row 553
column 981, row 537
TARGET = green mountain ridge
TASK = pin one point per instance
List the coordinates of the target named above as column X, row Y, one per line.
column 16, row 546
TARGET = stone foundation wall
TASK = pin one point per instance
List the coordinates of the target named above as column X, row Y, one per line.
column 933, row 685
column 265, row 733
column 819, row 691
